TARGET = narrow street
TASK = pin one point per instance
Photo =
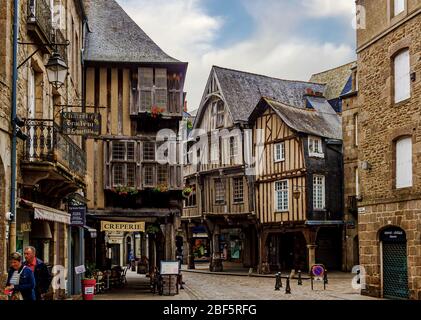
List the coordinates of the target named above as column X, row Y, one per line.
column 203, row 286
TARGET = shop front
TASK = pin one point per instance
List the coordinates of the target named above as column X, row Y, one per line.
column 231, row 244
column 201, row 244
column 47, row 230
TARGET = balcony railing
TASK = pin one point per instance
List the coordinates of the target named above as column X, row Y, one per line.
column 45, row 143
column 39, row 14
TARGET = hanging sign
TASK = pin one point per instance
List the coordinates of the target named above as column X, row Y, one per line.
column 81, row 123
column 123, row 226
column 77, row 216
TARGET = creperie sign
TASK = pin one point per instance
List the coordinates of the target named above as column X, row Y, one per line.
column 123, row 226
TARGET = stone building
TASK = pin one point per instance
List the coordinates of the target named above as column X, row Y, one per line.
column 138, row 90
column 389, row 147
column 340, row 92
column 50, row 165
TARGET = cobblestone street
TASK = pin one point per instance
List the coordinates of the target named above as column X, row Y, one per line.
column 203, row 286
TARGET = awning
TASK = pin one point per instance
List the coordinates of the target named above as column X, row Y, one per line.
column 42, row 212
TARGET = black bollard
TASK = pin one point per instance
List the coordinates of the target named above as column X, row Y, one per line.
column 300, row 280
column 278, row 282
column 288, row 287
column 325, row 280
column 359, row 278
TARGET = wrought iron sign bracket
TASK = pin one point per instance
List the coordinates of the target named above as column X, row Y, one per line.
column 39, row 47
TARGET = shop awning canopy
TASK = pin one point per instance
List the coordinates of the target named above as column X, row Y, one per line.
column 42, row 212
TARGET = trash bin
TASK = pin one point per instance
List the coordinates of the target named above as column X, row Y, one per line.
column 88, row 287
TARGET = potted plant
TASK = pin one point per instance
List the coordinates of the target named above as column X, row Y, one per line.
column 161, row 188
column 156, row 112
column 125, row 191
column 89, row 282
column 187, row 191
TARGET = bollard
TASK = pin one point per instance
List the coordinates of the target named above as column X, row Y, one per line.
column 288, row 287
column 325, row 280
column 359, row 277
column 278, row 282
column 300, row 280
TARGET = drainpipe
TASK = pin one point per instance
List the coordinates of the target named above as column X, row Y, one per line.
column 12, row 234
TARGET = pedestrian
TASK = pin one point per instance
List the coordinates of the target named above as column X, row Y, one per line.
column 41, row 273
column 20, row 283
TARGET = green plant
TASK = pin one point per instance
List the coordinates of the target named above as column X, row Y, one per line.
column 152, row 229
column 161, row 188
column 90, row 268
column 124, row 191
column 187, row 192
column 189, row 124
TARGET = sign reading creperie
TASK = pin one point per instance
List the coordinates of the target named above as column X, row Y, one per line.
column 123, row 226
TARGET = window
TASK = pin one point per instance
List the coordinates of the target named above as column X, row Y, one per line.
column 281, row 196
column 149, row 151
column 214, row 152
column 399, row 6
column 219, row 191
column 279, row 152
column 402, row 76
column 318, row 192
column 162, row 175
column 357, row 182
column 148, row 179
column 153, row 86
column 233, row 149
column 191, row 201
column 404, row 163
column 315, row 147
column 123, row 163
column 238, row 190
column 220, row 114
column 356, row 129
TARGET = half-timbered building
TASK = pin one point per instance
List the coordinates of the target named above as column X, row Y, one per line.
column 298, row 183
column 138, row 90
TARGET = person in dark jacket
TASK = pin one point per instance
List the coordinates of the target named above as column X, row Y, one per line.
column 41, row 273
column 20, row 278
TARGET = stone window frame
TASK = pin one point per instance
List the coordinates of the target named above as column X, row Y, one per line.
column 401, row 134
column 394, row 51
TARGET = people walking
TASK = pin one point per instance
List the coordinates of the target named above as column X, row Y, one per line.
column 20, row 283
column 41, row 273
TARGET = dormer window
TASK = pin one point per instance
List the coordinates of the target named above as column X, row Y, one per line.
column 315, row 147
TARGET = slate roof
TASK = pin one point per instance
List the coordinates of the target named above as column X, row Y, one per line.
column 114, row 37
column 335, row 79
column 320, row 120
column 242, row 91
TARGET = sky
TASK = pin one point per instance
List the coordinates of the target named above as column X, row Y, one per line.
column 287, row 39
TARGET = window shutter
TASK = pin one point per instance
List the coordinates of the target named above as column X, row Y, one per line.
column 161, row 93
column 404, row 163
column 402, row 77
column 145, row 88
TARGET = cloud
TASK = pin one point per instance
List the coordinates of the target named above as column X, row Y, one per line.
column 277, row 46
column 329, row 8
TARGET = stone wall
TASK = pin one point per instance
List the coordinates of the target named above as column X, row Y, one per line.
column 350, row 246
column 381, row 121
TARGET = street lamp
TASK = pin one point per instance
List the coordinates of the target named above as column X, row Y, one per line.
column 56, row 70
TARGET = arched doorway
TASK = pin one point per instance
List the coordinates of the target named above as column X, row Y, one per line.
column 394, row 263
